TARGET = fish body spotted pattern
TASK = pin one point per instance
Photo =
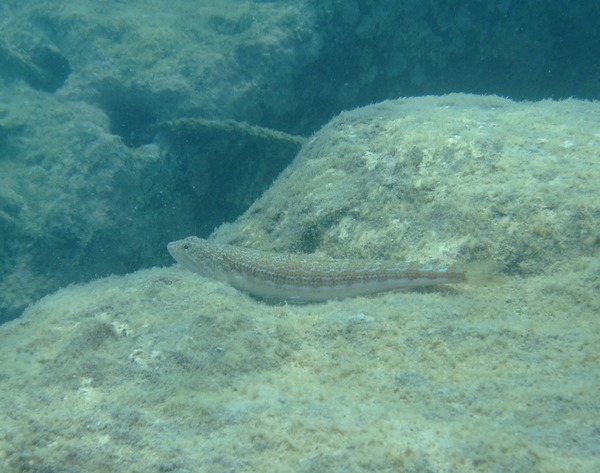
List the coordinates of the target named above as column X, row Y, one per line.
column 302, row 278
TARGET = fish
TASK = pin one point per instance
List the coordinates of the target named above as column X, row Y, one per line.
column 303, row 278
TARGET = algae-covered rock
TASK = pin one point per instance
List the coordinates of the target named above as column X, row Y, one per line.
column 45, row 68
column 77, row 203
column 85, row 190
column 456, row 178
column 164, row 370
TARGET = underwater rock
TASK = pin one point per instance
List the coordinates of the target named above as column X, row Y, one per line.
column 164, row 370
column 44, row 68
column 441, row 179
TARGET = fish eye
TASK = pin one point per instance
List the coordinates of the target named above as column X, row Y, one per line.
column 185, row 246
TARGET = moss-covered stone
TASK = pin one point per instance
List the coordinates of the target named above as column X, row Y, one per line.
column 456, row 178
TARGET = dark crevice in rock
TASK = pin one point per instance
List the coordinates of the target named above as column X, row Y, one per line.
column 224, row 165
column 131, row 112
column 44, row 68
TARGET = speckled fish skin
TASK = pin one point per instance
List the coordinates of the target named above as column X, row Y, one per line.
column 302, row 278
